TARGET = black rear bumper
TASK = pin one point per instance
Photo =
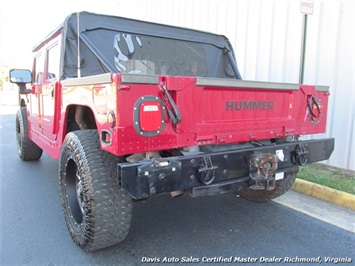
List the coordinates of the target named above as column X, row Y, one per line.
column 216, row 172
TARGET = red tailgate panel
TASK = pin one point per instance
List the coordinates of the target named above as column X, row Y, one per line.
column 219, row 111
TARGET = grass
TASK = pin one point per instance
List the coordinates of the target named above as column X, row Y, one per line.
column 328, row 176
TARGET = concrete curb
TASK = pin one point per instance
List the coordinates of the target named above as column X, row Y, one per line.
column 330, row 195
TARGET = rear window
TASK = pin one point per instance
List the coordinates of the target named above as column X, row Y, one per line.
column 158, row 56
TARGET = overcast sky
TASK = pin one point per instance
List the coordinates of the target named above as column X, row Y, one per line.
column 24, row 23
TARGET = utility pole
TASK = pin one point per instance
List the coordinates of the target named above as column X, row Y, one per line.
column 306, row 9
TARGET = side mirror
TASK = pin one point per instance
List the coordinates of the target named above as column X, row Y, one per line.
column 21, row 77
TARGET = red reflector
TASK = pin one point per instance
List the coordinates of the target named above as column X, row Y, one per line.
column 124, row 87
column 150, row 116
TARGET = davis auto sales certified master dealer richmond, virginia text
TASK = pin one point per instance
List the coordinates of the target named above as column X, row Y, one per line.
column 232, row 259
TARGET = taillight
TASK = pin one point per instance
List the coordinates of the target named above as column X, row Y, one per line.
column 149, row 116
column 314, row 105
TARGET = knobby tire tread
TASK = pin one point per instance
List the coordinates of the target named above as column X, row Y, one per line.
column 29, row 151
column 109, row 208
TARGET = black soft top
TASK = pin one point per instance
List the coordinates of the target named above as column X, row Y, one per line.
column 116, row 44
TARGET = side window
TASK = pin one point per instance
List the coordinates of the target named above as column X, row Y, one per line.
column 53, row 57
column 38, row 69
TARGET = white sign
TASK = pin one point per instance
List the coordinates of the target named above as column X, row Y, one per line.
column 307, row 7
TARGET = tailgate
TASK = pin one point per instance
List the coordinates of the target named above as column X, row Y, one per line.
column 225, row 111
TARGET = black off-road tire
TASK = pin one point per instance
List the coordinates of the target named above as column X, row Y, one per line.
column 27, row 150
column 282, row 186
column 97, row 210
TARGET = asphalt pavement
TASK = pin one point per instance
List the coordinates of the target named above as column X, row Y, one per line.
column 207, row 230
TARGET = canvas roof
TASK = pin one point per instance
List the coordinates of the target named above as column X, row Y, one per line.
column 98, row 33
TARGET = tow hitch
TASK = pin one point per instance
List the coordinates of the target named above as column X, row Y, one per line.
column 262, row 169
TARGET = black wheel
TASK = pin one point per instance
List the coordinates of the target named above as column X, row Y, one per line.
column 27, row 150
column 97, row 210
column 282, row 186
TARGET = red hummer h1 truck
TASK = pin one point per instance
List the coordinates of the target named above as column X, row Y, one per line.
column 134, row 109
